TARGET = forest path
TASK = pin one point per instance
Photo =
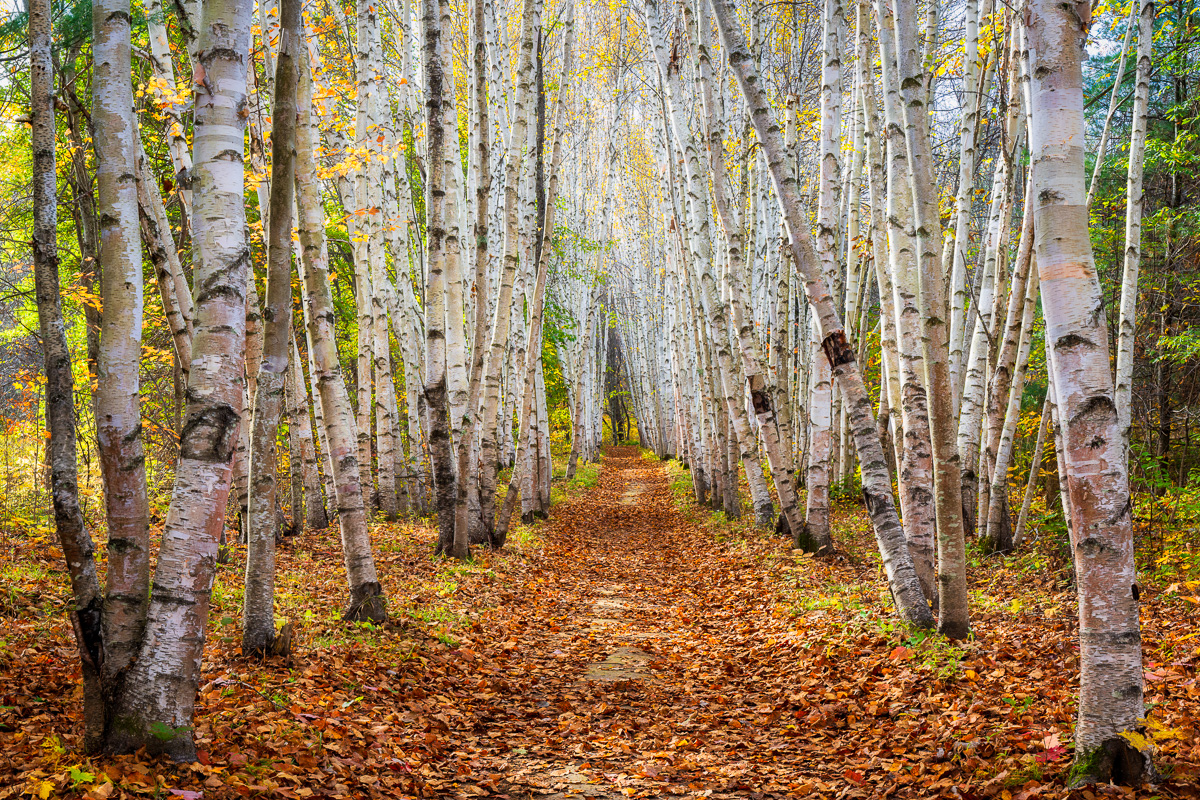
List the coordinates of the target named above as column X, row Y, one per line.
column 621, row 677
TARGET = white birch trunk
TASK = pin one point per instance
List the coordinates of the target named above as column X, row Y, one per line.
column 1135, row 203
column 366, row 595
column 118, row 406
column 1110, row 699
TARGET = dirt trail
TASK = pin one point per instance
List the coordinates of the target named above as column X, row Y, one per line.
column 645, row 653
column 610, row 692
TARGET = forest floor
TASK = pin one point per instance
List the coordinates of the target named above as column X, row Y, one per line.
column 633, row 645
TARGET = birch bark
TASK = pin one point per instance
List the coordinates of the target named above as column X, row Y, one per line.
column 1110, row 698
column 163, row 66
column 1135, row 202
column 779, row 458
column 366, row 601
column 530, row 15
column 437, row 400
column 916, row 468
column 69, row 523
column 258, row 625
column 118, row 407
column 159, row 689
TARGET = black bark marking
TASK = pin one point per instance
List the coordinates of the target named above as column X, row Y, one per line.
column 758, row 394
column 837, row 348
column 1071, row 340
column 91, row 635
column 210, row 435
column 1100, row 404
column 1125, row 510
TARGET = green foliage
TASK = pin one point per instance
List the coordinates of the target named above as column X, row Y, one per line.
column 847, row 492
column 681, row 480
column 586, row 476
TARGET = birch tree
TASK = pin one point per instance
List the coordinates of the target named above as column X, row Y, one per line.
column 118, row 407
column 73, row 535
column 258, row 627
column 1110, row 698
column 1135, row 202
column 366, row 595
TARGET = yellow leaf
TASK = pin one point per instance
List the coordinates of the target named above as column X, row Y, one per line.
column 1136, row 739
column 45, row 789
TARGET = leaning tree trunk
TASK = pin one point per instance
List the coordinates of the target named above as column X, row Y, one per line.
column 258, row 625
column 1035, row 469
column 877, row 484
column 1110, row 696
column 498, row 344
column 169, row 103
column 153, row 707
column 60, row 388
column 367, row 601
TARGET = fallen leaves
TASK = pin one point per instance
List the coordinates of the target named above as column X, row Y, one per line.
column 644, row 651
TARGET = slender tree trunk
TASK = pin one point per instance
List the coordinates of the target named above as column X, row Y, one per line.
column 915, row 461
column 437, row 399
column 533, row 352
column 366, row 595
column 315, row 517
column 1035, row 470
column 821, row 462
column 965, row 197
column 498, row 345
column 295, row 411
column 163, row 66
column 1114, row 101
column 87, row 222
column 360, row 224
column 467, row 477
column 1110, row 698
column 73, row 535
column 1000, row 537
column 258, row 626
column 1135, row 203
column 160, row 246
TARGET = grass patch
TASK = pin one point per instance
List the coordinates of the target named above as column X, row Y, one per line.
column 586, row 476
column 681, row 481
column 526, row 538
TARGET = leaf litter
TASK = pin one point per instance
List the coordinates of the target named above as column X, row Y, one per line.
column 630, row 646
